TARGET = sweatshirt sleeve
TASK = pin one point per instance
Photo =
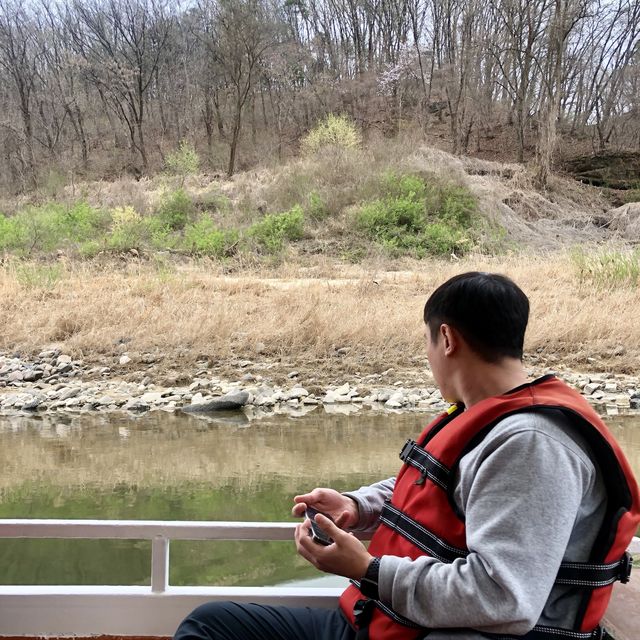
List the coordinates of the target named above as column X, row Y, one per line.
column 520, row 496
column 370, row 500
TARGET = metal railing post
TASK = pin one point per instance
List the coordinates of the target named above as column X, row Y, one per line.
column 159, row 564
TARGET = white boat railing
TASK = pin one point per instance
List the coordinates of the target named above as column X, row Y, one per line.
column 151, row 610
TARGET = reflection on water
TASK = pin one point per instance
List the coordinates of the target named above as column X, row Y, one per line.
column 177, row 467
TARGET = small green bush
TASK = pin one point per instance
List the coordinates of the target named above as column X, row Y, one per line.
column 316, row 207
column 631, row 195
column 204, row 238
column 184, row 161
column 36, row 276
column 406, row 186
column 608, row 269
column 176, row 209
column 419, row 218
column 51, row 226
column 12, row 233
column 159, row 234
column 335, row 131
column 273, row 230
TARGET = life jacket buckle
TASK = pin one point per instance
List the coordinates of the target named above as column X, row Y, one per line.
column 626, row 564
column 362, row 612
column 406, row 450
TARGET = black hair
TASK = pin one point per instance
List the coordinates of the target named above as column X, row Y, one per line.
column 488, row 309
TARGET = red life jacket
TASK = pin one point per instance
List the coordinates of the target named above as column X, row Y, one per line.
column 422, row 519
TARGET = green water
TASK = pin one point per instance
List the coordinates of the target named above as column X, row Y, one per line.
column 166, row 466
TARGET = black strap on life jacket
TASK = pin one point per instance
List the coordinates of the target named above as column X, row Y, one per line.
column 428, row 466
column 363, row 610
column 419, row 535
column 540, row 632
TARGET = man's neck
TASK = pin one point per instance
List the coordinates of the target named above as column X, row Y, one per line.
column 481, row 380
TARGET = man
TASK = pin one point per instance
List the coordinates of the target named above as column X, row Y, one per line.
column 508, row 519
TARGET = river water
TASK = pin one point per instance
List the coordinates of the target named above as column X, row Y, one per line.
column 172, row 466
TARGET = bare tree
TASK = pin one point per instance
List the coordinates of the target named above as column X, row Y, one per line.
column 237, row 35
column 566, row 15
column 19, row 52
column 123, row 42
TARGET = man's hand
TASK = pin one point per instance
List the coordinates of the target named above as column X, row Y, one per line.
column 347, row 556
column 343, row 510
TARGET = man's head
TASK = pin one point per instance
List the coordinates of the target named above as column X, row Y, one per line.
column 489, row 311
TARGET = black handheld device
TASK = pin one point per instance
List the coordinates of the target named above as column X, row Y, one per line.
column 318, row 534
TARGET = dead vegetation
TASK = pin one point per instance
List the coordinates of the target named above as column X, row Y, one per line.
column 327, row 319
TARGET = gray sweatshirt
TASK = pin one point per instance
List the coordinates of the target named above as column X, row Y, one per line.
column 532, row 497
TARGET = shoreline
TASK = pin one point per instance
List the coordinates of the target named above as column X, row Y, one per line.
column 55, row 383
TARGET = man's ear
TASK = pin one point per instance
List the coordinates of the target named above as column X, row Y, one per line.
column 450, row 339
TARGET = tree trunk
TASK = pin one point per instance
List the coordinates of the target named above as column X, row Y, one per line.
column 234, row 141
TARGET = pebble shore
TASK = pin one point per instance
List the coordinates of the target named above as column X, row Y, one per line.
column 55, row 382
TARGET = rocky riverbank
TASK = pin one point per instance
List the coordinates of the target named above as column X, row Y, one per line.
column 56, row 382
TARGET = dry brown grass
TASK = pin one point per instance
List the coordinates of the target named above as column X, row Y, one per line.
column 303, row 314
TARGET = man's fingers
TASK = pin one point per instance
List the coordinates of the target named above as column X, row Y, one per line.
column 328, row 525
column 299, row 509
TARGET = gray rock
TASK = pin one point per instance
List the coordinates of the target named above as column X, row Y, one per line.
column 70, row 392
column 33, row 403
column 64, row 368
column 15, row 376
column 152, row 397
column 136, row 404
column 229, row 402
column 63, row 359
column 49, row 353
column 124, row 360
column 296, row 393
column 342, row 390
column 623, row 401
column 591, row 388
column 611, row 387
column 31, row 375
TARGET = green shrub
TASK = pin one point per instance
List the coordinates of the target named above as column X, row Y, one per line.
column 12, row 233
column 184, row 161
column 51, row 226
column 204, row 238
column 36, row 276
column 631, row 195
column 128, row 231
column 610, row 269
column 335, row 131
column 420, row 219
column 176, row 209
column 405, row 186
column 392, row 216
column 316, row 207
column 273, row 230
